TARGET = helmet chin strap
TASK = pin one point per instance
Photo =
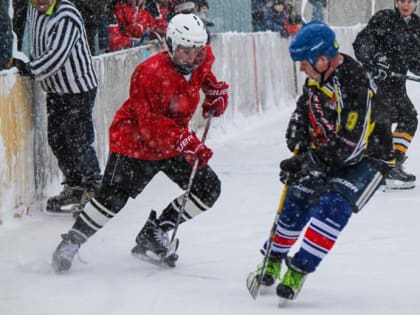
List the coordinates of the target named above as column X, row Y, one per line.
column 184, row 69
column 322, row 73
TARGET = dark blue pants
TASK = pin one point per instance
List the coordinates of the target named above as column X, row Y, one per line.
column 344, row 192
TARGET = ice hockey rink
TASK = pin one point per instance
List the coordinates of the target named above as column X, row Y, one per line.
column 371, row 270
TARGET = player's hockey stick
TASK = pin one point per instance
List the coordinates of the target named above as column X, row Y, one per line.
column 405, row 76
column 253, row 281
column 190, row 181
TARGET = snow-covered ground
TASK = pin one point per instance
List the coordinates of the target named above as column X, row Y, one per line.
column 371, row 270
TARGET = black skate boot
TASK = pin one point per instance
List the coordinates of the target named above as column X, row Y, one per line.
column 291, row 285
column 399, row 179
column 71, row 195
column 63, row 255
column 90, row 188
column 153, row 244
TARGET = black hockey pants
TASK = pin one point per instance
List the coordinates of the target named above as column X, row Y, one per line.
column 127, row 177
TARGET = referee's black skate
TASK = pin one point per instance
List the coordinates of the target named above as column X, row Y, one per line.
column 153, row 244
column 72, row 199
column 70, row 196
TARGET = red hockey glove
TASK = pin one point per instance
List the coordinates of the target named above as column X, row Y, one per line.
column 216, row 100
column 192, row 149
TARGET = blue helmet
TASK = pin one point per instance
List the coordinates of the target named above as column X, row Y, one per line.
column 313, row 40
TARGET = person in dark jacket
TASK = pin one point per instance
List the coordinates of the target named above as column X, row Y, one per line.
column 318, row 7
column 6, row 38
column 258, row 8
column 389, row 47
column 92, row 12
column 162, row 11
column 19, row 20
column 275, row 17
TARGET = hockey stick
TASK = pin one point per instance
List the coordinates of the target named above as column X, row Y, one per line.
column 405, row 76
column 253, row 281
column 190, row 181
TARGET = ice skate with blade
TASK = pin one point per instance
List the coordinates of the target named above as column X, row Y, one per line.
column 153, row 245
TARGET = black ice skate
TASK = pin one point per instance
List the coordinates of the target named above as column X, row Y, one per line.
column 62, row 203
column 62, row 257
column 399, row 179
column 88, row 194
column 71, row 200
column 153, row 244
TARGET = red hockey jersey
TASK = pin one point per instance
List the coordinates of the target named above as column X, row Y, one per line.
column 160, row 106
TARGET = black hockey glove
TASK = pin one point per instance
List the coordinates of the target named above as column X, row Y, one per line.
column 23, row 67
column 381, row 68
column 305, row 168
column 283, row 176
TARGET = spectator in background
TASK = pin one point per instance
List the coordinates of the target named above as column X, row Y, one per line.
column 133, row 24
column 203, row 11
column 294, row 21
column 105, row 20
column 19, row 20
column 92, row 12
column 258, row 9
column 184, row 6
column 6, row 37
column 318, row 7
column 275, row 17
column 162, row 11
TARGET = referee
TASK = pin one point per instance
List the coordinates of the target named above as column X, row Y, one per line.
column 61, row 61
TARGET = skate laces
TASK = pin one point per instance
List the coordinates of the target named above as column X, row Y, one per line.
column 272, row 268
column 293, row 280
column 161, row 236
column 69, row 190
column 68, row 248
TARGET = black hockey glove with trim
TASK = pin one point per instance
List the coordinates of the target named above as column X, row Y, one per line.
column 23, row 67
column 380, row 68
column 305, row 168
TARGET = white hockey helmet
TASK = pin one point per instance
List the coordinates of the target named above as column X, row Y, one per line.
column 186, row 30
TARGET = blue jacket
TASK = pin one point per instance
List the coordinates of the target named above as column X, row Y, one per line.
column 274, row 20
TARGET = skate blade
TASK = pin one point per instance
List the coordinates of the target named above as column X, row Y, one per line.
column 151, row 258
column 168, row 260
column 253, row 285
column 396, row 185
column 68, row 210
column 283, row 302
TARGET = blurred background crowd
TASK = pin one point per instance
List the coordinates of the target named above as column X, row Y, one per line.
column 113, row 25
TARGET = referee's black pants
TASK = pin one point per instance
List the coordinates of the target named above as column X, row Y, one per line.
column 71, row 135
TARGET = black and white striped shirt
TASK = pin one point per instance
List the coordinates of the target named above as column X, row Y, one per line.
column 60, row 54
